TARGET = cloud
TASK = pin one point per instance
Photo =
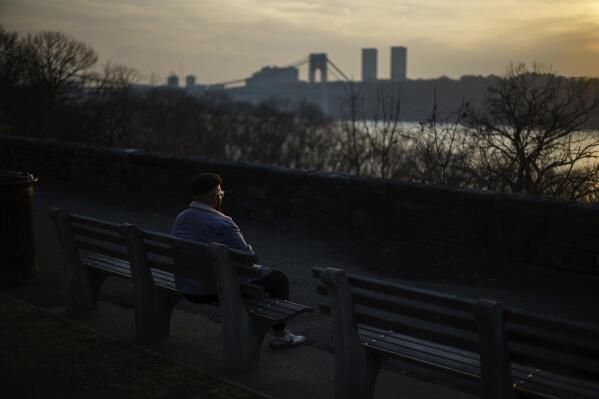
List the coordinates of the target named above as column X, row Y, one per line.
column 227, row 39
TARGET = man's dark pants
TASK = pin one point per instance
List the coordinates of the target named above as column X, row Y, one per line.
column 276, row 285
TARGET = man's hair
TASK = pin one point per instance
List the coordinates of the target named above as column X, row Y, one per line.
column 204, row 183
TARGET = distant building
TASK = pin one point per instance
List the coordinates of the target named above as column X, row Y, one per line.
column 369, row 64
column 399, row 61
column 273, row 76
column 172, row 81
column 190, row 81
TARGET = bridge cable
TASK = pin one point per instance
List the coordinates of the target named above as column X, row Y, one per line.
column 338, row 70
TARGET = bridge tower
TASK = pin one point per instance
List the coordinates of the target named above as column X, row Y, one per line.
column 318, row 61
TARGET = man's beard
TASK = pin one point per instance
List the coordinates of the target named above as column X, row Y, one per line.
column 218, row 205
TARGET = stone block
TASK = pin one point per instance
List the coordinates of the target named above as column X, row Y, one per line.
column 440, row 234
column 470, row 199
column 410, row 233
column 586, row 213
column 362, row 221
column 562, row 239
column 462, row 251
column 257, row 192
column 576, row 260
column 563, row 258
column 520, row 205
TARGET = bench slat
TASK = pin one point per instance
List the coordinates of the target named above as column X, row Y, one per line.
column 120, row 267
column 465, row 340
column 428, row 331
column 422, row 358
column 117, row 263
column 168, row 266
column 545, row 385
column 108, row 268
column 411, row 308
column 400, row 290
column 100, row 235
column 270, row 308
column 557, row 340
column 550, row 384
column 88, row 246
column 404, row 342
column 472, row 356
column 165, row 239
column 92, row 222
column 292, row 305
column 158, row 249
column 567, row 327
column 552, row 360
column 274, row 305
column 264, row 312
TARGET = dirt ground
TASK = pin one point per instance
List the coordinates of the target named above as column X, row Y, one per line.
column 44, row 356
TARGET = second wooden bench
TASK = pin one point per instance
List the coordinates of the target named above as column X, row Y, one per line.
column 509, row 352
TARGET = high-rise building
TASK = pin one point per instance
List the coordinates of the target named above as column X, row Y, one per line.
column 190, row 81
column 399, row 61
column 369, row 64
column 172, row 81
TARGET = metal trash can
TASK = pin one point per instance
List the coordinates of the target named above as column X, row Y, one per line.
column 17, row 241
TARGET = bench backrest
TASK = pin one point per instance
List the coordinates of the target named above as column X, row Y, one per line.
column 82, row 234
column 190, row 260
column 512, row 345
column 444, row 319
column 553, row 345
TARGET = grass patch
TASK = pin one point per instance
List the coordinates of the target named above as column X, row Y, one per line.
column 44, row 356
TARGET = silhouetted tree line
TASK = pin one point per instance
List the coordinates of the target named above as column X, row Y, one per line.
column 528, row 137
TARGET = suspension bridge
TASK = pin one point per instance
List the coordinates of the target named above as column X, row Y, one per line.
column 316, row 62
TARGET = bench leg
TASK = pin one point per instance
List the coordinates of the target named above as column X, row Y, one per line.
column 495, row 364
column 83, row 286
column 153, row 317
column 241, row 345
column 356, row 371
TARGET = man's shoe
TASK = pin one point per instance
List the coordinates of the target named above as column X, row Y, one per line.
column 286, row 339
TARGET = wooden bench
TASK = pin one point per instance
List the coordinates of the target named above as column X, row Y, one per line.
column 94, row 249
column 508, row 352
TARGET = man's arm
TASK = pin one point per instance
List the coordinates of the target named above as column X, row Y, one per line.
column 231, row 236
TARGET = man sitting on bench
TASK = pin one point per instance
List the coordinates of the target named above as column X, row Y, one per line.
column 204, row 222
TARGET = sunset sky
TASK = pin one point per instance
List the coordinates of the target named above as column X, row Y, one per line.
column 220, row 40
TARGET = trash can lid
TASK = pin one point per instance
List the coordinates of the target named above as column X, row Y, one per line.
column 13, row 177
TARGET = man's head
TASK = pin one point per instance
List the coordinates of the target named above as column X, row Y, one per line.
column 205, row 188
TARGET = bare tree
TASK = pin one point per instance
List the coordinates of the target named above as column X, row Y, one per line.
column 54, row 65
column 11, row 75
column 113, row 103
column 532, row 134
column 443, row 149
column 372, row 136
column 57, row 60
column 353, row 152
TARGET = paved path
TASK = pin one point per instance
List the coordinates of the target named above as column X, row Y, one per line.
column 567, row 296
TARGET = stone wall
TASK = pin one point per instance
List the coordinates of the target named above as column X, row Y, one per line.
column 435, row 222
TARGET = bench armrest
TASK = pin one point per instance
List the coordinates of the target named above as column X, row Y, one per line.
column 241, row 257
